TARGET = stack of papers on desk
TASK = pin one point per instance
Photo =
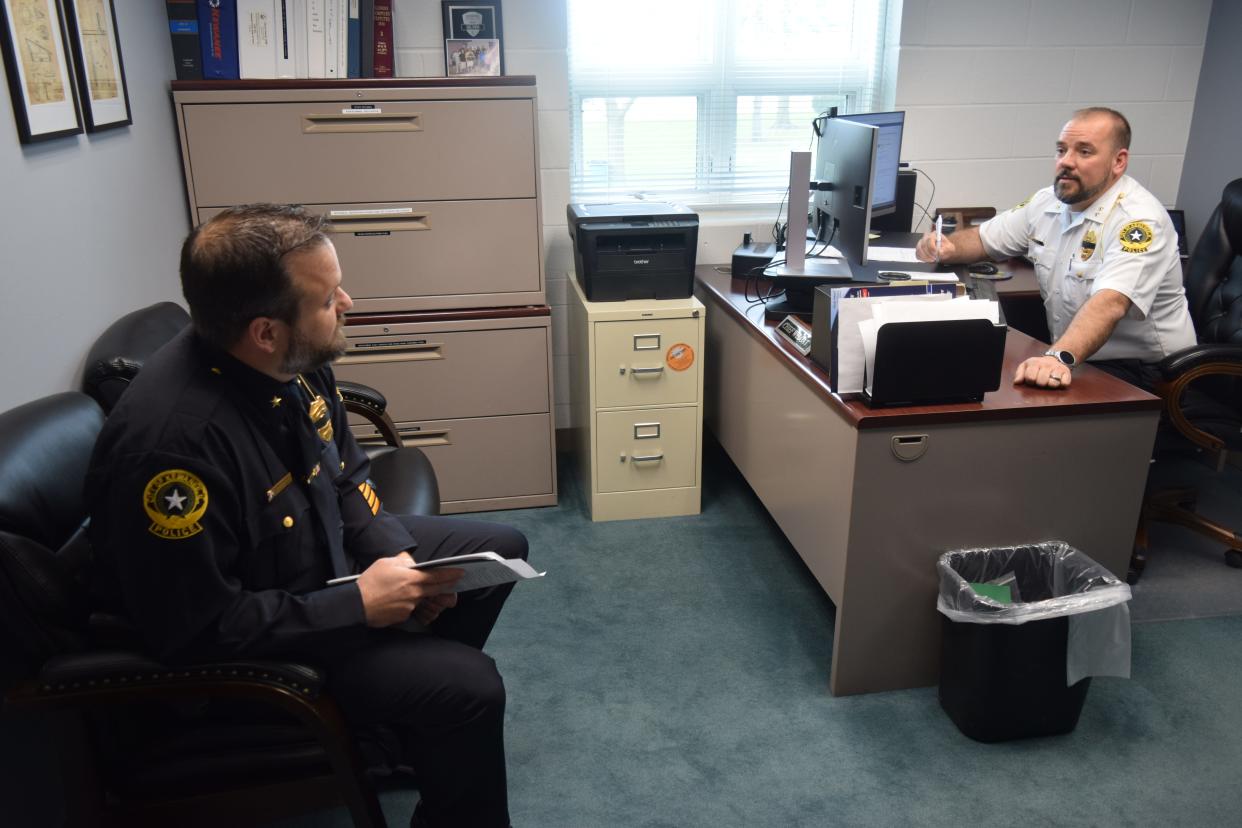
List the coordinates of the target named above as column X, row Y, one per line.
column 875, row 253
column 896, row 312
column 852, row 313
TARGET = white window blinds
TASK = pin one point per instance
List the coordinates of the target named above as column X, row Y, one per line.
column 701, row 101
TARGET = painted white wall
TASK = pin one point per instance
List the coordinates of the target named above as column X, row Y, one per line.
column 988, row 84
column 90, row 225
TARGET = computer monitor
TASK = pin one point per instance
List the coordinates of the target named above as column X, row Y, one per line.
column 887, row 157
column 845, row 162
column 845, row 166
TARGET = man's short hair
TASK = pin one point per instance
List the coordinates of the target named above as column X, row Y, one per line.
column 233, row 270
column 1121, row 127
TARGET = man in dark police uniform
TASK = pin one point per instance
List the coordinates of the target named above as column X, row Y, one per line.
column 226, row 490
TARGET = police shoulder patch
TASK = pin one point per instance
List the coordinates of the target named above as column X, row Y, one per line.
column 176, row 501
column 1136, row 237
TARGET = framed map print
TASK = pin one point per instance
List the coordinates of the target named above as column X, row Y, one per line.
column 91, row 29
column 32, row 38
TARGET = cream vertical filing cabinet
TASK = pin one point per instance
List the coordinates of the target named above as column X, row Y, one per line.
column 637, row 397
column 431, row 186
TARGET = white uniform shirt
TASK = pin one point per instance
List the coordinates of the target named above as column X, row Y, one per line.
column 1124, row 242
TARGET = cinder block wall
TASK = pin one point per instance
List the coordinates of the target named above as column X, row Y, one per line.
column 987, row 85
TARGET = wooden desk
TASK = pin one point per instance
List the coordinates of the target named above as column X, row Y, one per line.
column 1023, row 465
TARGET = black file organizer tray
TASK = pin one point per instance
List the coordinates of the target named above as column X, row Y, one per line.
column 942, row 361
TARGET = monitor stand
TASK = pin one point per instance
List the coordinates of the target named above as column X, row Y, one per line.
column 797, row 263
column 829, row 270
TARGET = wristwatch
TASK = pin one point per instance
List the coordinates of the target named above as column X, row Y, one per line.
column 1064, row 357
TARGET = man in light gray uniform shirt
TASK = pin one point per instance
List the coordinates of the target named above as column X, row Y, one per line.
column 1105, row 254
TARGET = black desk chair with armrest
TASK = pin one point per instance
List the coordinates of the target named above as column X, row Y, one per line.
column 1202, row 386
column 138, row 741
column 403, row 475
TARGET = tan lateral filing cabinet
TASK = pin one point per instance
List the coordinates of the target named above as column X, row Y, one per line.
column 432, row 188
column 637, row 396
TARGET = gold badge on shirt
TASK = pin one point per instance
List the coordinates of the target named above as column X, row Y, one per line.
column 320, row 416
column 1136, row 237
column 176, row 501
column 1089, row 240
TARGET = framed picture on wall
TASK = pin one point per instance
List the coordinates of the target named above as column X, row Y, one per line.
column 472, row 38
column 91, row 29
column 32, row 38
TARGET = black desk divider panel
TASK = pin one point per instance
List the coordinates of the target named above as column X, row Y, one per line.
column 942, row 361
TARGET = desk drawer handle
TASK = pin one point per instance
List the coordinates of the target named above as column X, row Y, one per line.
column 659, row 369
column 910, row 447
column 645, row 458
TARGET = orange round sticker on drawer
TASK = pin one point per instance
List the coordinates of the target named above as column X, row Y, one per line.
column 679, row 357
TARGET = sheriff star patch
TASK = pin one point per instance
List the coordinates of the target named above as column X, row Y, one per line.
column 1136, row 237
column 176, row 501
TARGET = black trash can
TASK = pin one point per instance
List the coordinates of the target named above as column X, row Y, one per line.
column 1003, row 664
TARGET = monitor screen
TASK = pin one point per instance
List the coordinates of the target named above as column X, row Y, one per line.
column 887, row 158
column 845, row 161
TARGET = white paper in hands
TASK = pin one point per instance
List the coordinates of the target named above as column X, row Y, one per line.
column 481, row 569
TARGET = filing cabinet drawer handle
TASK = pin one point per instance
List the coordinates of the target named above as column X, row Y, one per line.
column 646, row 342
column 646, row 431
column 659, row 369
column 338, row 122
column 647, row 458
column 407, row 353
column 359, row 221
column 422, row 439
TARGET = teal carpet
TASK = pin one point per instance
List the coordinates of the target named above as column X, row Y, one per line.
column 674, row 672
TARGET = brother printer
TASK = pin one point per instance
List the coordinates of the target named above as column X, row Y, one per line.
column 634, row 250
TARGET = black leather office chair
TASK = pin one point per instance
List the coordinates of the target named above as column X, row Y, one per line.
column 142, row 742
column 1202, row 385
column 402, row 474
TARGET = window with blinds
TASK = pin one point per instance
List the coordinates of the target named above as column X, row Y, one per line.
column 701, row 101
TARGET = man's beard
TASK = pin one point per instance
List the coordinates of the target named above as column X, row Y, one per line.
column 1083, row 193
column 305, row 356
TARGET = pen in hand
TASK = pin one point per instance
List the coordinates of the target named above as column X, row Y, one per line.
column 939, row 235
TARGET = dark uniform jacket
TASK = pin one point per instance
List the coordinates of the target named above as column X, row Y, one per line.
column 222, row 500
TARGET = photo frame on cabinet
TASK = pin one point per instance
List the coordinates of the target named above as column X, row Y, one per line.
column 32, row 38
column 91, row 28
column 473, row 38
